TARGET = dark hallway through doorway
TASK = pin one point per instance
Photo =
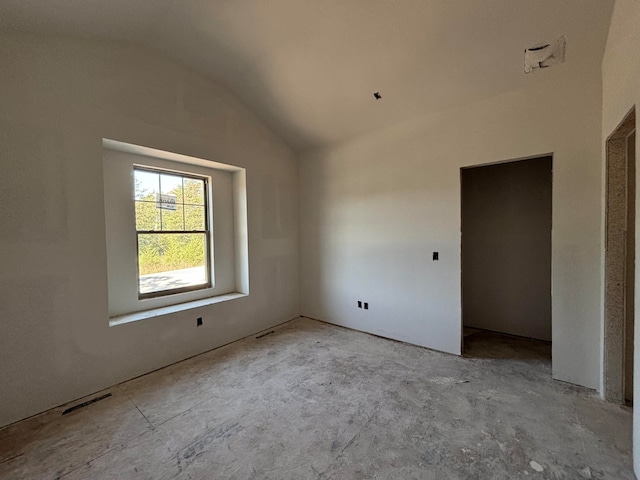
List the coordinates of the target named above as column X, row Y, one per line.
column 506, row 247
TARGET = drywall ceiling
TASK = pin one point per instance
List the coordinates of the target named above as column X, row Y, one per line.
column 309, row 68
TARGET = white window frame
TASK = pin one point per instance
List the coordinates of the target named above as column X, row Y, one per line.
column 207, row 232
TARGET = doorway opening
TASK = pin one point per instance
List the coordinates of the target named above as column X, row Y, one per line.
column 506, row 248
column 619, row 282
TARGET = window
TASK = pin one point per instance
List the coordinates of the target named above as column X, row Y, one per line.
column 173, row 233
column 176, row 231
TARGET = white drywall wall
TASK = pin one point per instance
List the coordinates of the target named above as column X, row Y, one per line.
column 620, row 92
column 376, row 207
column 59, row 99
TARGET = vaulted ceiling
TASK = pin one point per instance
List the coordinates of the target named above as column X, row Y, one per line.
column 309, row 68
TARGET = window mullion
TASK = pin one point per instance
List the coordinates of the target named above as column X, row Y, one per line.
column 184, row 223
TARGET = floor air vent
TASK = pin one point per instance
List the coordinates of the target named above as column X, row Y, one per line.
column 84, row 404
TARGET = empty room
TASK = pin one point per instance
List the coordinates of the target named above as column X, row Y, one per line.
column 318, row 239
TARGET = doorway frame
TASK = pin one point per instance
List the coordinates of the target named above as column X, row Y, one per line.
column 486, row 164
column 616, row 259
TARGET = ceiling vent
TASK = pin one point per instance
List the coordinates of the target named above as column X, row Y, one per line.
column 544, row 55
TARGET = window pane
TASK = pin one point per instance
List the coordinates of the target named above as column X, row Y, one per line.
column 169, row 261
column 146, row 185
column 193, row 191
column 193, row 218
column 171, row 185
column 172, row 219
column 147, row 216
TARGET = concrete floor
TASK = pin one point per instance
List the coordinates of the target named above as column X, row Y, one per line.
column 314, row 401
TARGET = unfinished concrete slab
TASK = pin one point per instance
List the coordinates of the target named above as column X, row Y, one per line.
column 312, row 400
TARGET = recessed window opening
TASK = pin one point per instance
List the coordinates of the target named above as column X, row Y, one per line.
column 176, row 231
column 172, row 232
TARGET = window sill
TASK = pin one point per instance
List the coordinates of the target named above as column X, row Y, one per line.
column 181, row 307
